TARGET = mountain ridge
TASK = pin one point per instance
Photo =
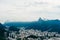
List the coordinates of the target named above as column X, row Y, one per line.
column 43, row 25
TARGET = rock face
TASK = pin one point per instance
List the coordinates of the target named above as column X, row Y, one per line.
column 43, row 25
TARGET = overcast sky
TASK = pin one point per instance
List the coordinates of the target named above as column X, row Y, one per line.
column 29, row 10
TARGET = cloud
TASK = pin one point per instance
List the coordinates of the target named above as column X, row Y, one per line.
column 28, row 10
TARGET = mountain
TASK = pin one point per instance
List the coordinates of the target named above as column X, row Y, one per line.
column 2, row 30
column 43, row 25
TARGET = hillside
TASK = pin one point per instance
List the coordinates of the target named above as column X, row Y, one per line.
column 43, row 25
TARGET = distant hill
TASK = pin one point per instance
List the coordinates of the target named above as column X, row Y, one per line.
column 43, row 25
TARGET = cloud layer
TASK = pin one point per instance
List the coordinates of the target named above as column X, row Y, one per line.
column 29, row 10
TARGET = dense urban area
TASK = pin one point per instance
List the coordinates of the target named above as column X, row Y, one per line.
column 37, row 30
column 31, row 34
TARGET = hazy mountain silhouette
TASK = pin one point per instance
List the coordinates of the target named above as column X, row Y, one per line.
column 43, row 25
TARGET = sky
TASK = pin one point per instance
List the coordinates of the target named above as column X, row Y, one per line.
column 29, row 10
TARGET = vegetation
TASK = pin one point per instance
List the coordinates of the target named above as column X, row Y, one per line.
column 43, row 25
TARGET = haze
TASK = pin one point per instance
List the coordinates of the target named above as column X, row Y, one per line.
column 29, row 10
